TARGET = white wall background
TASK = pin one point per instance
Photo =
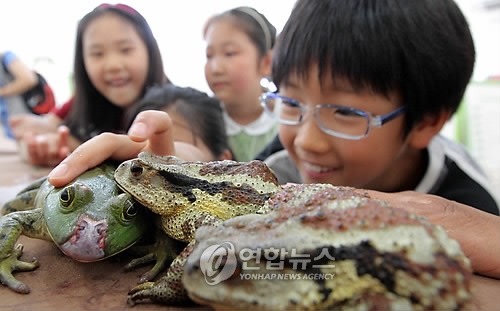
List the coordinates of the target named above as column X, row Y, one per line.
column 44, row 30
column 40, row 30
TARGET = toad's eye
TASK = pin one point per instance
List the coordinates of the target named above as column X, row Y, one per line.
column 136, row 170
column 67, row 196
column 130, row 210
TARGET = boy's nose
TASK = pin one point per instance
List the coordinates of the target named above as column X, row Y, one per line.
column 310, row 137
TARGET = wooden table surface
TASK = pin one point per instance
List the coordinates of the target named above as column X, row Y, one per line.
column 61, row 283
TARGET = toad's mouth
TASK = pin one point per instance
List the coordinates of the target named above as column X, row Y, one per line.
column 87, row 242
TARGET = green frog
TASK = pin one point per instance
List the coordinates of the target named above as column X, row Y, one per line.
column 89, row 219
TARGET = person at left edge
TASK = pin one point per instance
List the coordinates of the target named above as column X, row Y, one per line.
column 13, row 83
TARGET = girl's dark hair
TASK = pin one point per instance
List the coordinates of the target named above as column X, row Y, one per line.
column 260, row 31
column 202, row 112
column 423, row 50
column 92, row 113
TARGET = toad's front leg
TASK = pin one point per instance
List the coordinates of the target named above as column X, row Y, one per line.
column 168, row 289
column 162, row 253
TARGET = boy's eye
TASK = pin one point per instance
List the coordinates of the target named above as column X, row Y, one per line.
column 346, row 112
column 290, row 103
column 230, row 54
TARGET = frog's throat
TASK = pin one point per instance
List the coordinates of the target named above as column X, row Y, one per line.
column 87, row 242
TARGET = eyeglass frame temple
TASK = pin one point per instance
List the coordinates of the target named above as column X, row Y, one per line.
column 378, row 121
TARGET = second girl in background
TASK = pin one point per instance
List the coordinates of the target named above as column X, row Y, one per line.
column 239, row 47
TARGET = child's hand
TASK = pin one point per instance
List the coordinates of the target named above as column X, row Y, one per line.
column 47, row 149
column 477, row 232
column 28, row 123
column 151, row 131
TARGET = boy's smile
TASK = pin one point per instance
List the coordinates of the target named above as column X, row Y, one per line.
column 322, row 158
column 314, row 171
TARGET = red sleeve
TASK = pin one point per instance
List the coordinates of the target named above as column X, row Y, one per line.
column 62, row 111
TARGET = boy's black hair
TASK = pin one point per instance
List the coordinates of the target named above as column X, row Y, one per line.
column 91, row 113
column 253, row 23
column 422, row 49
column 203, row 113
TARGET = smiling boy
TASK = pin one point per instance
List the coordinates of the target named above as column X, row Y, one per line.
column 364, row 103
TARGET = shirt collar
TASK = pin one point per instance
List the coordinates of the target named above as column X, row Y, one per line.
column 262, row 125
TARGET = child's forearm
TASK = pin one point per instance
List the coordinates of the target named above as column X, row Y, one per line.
column 18, row 86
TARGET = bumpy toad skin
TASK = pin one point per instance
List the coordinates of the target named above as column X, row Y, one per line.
column 89, row 219
column 186, row 196
column 384, row 258
column 183, row 193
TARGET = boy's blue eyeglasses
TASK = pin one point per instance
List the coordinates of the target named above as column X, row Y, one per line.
column 335, row 120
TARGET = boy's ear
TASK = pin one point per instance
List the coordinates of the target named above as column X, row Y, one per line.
column 427, row 128
column 265, row 65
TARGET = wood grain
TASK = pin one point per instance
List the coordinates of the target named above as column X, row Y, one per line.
column 60, row 283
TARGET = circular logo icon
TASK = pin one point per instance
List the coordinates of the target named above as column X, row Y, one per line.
column 218, row 262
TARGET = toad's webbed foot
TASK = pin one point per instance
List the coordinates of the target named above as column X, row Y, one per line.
column 166, row 291
column 169, row 288
column 162, row 252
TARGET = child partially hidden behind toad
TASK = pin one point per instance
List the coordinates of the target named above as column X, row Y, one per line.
column 197, row 119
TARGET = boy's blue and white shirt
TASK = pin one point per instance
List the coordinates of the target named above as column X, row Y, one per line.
column 451, row 173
